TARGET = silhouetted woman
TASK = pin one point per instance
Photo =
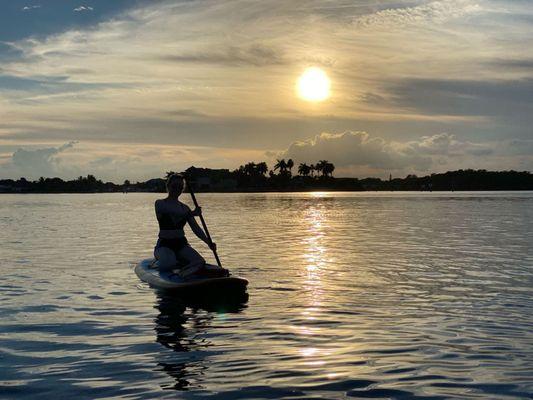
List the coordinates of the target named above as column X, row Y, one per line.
column 173, row 250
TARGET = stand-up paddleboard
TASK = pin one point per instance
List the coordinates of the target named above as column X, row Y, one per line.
column 148, row 271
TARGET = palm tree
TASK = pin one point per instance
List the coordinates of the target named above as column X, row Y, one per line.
column 312, row 169
column 249, row 169
column 262, row 168
column 281, row 165
column 290, row 164
column 321, row 166
column 304, row 169
column 329, row 168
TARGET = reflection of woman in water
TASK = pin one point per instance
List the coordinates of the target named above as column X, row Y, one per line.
column 182, row 327
column 172, row 247
column 172, row 334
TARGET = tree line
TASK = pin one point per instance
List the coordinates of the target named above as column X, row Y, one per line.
column 257, row 177
column 284, row 168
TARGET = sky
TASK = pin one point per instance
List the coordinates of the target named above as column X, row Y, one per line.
column 129, row 89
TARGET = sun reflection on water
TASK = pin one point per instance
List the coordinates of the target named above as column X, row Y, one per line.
column 315, row 257
column 314, row 251
column 318, row 194
column 309, row 351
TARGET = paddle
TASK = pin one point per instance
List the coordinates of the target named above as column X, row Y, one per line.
column 204, row 225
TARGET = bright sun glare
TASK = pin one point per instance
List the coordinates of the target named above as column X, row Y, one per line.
column 313, row 85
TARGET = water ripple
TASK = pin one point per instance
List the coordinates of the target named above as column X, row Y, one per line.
column 364, row 295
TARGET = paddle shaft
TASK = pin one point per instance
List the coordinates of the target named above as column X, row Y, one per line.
column 204, row 225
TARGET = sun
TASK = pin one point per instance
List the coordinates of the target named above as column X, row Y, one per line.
column 313, row 85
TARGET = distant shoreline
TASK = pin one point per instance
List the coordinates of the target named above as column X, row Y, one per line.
column 223, row 181
column 292, row 191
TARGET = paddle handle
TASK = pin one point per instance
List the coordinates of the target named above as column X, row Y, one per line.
column 204, row 225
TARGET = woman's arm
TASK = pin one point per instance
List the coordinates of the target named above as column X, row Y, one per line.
column 156, row 209
column 197, row 230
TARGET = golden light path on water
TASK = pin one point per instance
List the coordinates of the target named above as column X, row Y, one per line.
column 317, row 256
column 314, row 254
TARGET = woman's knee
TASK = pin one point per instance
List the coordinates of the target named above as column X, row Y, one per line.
column 191, row 256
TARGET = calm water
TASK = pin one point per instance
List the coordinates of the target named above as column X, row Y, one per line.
column 366, row 295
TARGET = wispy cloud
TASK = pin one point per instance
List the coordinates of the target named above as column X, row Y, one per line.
column 252, row 55
column 435, row 12
column 32, row 7
column 83, row 8
column 474, row 97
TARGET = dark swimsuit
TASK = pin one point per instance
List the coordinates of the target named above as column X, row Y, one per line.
column 167, row 223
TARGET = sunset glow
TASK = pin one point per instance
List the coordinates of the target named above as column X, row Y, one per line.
column 314, row 85
column 374, row 87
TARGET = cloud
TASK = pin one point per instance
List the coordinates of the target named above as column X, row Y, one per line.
column 34, row 162
column 83, row 8
column 349, row 149
column 254, row 55
column 353, row 153
column 28, row 8
column 114, row 162
column 358, row 153
column 516, row 63
column 8, row 52
column 448, row 145
column 461, row 97
column 435, row 12
column 519, row 147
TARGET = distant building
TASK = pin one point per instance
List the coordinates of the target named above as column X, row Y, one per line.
column 206, row 179
column 155, row 185
column 226, row 184
column 203, row 183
